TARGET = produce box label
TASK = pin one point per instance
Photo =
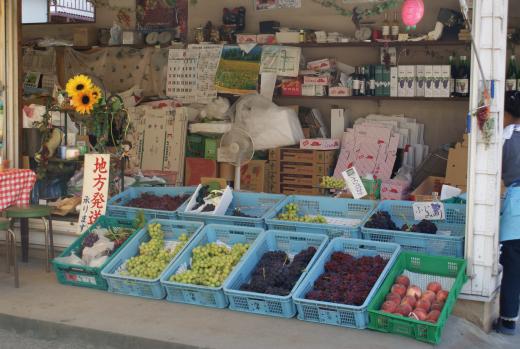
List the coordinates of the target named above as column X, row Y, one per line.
column 430, row 211
column 354, row 183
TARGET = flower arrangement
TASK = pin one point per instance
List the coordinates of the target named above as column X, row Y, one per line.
column 83, row 94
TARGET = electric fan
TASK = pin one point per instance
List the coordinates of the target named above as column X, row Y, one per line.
column 236, row 148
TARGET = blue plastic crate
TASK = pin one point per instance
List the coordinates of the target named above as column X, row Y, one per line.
column 333, row 208
column 116, row 205
column 254, row 204
column 433, row 244
column 265, row 304
column 139, row 287
column 342, row 314
column 204, row 295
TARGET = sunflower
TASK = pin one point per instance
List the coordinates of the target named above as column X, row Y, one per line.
column 78, row 84
column 96, row 93
column 84, row 102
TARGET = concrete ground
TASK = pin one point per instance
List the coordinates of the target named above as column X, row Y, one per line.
column 44, row 314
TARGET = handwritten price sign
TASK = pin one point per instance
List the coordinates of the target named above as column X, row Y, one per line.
column 431, row 211
column 354, row 183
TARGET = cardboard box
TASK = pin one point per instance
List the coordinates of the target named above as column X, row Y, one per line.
column 196, row 168
column 393, row 189
column 419, row 88
column 456, row 170
column 84, row 36
column 401, row 76
column 288, row 37
column 246, row 38
column 210, row 148
column 339, row 91
column 318, row 80
column 437, row 79
column 266, row 39
column 445, row 81
column 195, row 146
column 320, row 143
column 132, row 37
column 425, row 190
column 410, row 80
column 338, row 123
column 291, row 87
column 394, row 82
column 308, row 180
column 291, row 189
column 308, row 90
column 320, row 91
column 254, row 176
column 277, row 168
column 325, row 64
column 302, row 155
column 428, row 76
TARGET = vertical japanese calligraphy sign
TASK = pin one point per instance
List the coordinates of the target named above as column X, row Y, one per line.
column 95, row 189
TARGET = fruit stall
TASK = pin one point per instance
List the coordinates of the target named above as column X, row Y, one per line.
column 296, row 159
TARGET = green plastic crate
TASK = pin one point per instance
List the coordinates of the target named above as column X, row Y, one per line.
column 85, row 276
column 421, row 269
column 210, row 148
column 195, row 146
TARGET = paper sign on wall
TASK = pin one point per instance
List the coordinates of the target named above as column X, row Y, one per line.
column 281, row 60
column 354, row 183
column 95, row 189
column 431, row 211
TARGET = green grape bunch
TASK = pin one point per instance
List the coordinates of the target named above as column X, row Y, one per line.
column 211, row 264
column 332, row 183
column 290, row 213
column 153, row 256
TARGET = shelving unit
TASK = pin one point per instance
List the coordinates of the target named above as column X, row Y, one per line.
column 381, row 44
column 380, row 98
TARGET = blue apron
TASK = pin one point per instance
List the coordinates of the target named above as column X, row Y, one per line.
column 510, row 214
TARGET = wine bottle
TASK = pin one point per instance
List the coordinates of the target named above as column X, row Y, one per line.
column 511, row 75
column 395, row 28
column 462, row 82
column 372, row 80
column 355, row 82
column 385, row 28
column 362, row 82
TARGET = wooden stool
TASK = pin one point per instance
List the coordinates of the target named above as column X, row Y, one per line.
column 10, row 248
column 34, row 211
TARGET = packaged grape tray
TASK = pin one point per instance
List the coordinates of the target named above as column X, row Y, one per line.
column 256, row 205
column 85, row 276
column 116, row 205
column 204, row 295
column 267, row 304
column 448, row 241
column 141, row 287
column 344, row 216
column 421, row 269
column 335, row 313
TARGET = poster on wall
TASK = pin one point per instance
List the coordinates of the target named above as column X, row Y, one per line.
column 289, row 3
column 261, row 5
column 163, row 15
column 238, row 71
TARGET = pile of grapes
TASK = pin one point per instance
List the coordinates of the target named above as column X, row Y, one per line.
column 332, row 183
column 276, row 275
column 290, row 213
column 154, row 202
column 211, row 264
column 153, row 256
column 382, row 220
column 347, row 280
column 116, row 234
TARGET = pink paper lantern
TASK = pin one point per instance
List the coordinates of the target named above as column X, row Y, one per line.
column 412, row 12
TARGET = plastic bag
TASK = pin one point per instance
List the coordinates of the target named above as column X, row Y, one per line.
column 269, row 125
column 99, row 250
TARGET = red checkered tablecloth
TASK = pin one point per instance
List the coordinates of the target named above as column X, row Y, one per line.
column 15, row 187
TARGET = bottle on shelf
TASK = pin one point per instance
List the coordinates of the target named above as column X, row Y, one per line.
column 395, row 28
column 512, row 73
column 462, row 80
column 372, row 80
column 302, row 36
column 362, row 82
column 385, row 28
column 355, row 82
column 453, row 65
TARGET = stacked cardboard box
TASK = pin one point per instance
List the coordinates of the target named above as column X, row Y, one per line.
column 299, row 171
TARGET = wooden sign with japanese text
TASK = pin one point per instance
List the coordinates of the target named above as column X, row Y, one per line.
column 95, row 189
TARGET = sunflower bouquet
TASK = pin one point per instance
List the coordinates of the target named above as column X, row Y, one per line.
column 83, row 94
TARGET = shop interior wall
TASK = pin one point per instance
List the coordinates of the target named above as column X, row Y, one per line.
column 445, row 121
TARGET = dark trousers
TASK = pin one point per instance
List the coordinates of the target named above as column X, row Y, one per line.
column 510, row 289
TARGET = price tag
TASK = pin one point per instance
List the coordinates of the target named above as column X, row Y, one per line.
column 431, row 211
column 354, row 183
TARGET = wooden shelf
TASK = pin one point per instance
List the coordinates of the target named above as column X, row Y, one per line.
column 381, row 44
column 379, row 98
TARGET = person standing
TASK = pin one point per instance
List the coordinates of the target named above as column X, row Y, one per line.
column 510, row 218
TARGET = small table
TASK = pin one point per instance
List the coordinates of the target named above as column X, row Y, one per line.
column 15, row 190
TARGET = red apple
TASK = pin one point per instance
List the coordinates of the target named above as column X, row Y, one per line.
column 404, row 309
column 433, row 316
column 389, row 307
column 437, row 305
column 409, row 300
column 442, row 295
column 423, row 304
column 399, row 289
column 403, row 280
column 429, row 296
column 418, row 314
column 434, row 287
column 394, row 297
column 414, row 291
